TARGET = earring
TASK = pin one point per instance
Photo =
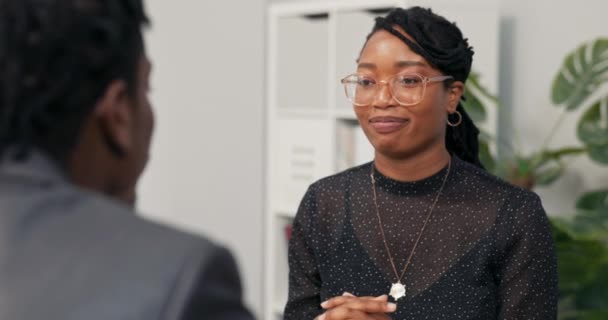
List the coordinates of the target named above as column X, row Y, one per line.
column 457, row 123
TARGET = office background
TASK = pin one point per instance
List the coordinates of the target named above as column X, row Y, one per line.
column 207, row 168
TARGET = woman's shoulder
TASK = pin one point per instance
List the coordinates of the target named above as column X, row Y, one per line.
column 482, row 179
column 514, row 205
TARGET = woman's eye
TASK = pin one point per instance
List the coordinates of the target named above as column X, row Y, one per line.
column 365, row 82
column 408, row 81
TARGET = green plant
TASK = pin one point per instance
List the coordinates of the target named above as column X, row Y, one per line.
column 581, row 238
column 582, row 74
column 581, row 242
column 583, row 280
column 477, row 96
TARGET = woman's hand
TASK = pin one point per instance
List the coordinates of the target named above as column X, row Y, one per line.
column 350, row 307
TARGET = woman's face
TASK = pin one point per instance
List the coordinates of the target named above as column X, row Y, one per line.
column 397, row 131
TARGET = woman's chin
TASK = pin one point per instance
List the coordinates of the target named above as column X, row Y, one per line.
column 391, row 150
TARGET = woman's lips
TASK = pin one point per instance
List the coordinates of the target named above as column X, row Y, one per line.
column 387, row 124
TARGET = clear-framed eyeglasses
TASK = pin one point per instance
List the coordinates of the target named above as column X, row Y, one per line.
column 406, row 89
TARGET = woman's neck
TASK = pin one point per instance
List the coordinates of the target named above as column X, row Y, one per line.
column 418, row 167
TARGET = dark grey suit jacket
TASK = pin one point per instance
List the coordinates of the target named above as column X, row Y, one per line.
column 67, row 254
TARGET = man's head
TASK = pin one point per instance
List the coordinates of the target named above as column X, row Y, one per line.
column 73, row 84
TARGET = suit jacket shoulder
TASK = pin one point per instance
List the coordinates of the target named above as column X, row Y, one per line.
column 66, row 253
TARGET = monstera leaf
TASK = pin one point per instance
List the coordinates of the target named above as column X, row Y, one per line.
column 476, row 94
column 582, row 72
column 591, row 220
column 476, row 100
column 596, row 201
column 474, row 107
column 593, row 131
column 599, row 153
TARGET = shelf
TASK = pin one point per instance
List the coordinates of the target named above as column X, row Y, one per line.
column 345, row 114
column 302, row 47
column 283, row 212
column 352, row 146
column 315, row 6
column 281, row 271
column 303, row 157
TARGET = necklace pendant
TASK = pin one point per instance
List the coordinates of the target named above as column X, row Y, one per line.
column 397, row 290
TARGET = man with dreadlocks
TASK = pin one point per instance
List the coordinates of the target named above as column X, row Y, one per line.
column 423, row 231
column 75, row 127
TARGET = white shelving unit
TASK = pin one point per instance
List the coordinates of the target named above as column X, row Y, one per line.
column 312, row 130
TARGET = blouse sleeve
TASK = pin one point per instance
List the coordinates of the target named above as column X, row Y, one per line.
column 304, row 280
column 525, row 261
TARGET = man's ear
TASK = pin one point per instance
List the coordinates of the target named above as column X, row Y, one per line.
column 114, row 115
column 455, row 92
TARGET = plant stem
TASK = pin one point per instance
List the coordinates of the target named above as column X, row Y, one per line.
column 558, row 123
column 604, row 113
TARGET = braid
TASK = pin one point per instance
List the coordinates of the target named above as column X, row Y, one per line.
column 442, row 44
column 56, row 59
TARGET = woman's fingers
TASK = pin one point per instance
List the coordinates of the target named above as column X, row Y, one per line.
column 365, row 304
column 336, row 301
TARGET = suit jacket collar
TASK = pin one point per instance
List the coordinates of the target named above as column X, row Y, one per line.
column 36, row 166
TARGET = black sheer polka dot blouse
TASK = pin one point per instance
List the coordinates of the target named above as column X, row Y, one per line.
column 485, row 253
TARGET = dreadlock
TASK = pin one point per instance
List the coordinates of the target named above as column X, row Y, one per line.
column 440, row 43
column 56, row 59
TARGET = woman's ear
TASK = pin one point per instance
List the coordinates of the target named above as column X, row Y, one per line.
column 113, row 113
column 455, row 92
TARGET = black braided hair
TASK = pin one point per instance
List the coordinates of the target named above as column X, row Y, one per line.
column 56, row 59
column 443, row 46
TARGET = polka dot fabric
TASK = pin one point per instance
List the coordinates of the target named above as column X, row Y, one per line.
column 486, row 253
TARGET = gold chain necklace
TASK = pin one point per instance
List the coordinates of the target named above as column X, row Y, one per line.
column 398, row 289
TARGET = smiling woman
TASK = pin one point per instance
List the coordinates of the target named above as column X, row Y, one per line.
column 424, row 222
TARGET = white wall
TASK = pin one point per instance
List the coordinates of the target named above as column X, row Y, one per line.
column 205, row 174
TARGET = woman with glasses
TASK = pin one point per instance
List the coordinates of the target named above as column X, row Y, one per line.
column 423, row 231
